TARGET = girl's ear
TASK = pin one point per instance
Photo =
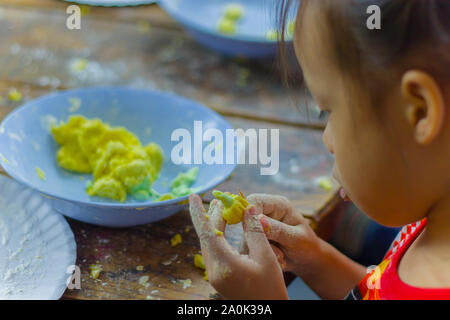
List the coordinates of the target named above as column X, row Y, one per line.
column 425, row 105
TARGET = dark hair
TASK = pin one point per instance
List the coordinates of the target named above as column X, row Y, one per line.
column 413, row 34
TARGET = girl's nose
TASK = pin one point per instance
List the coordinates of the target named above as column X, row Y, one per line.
column 327, row 140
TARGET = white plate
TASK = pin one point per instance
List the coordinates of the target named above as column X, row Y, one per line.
column 112, row 3
column 36, row 245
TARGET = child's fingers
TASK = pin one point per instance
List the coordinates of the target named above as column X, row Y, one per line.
column 243, row 248
column 197, row 210
column 216, row 216
column 214, row 244
column 280, row 256
column 258, row 245
column 276, row 207
column 280, row 232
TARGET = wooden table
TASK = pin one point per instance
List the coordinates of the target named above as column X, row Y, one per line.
column 143, row 47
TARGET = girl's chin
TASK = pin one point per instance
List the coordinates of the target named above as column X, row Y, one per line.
column 344, row 195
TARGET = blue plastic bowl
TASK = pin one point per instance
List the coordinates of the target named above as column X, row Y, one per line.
column 200, row 19
column 27, row 144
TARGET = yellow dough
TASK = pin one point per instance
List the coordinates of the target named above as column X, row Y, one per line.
column 95, row 270
column 227, row 26
column 119, row 163
column 234, row 206
column 40, row 173
column 176, row 240
column 198, row 262
column 234, row 11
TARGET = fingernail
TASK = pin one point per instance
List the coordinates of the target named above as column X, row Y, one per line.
column 264, row 222
column 251, row 209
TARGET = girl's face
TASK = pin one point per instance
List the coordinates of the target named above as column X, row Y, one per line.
column 378, row 163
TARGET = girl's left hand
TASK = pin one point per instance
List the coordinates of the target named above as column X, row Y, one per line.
column 257, row 275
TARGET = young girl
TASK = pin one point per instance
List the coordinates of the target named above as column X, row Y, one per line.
column 387, row 94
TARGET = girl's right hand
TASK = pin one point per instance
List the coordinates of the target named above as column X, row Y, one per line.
column 295, row 244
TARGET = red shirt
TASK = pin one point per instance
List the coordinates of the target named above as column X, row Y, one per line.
column 384, row 283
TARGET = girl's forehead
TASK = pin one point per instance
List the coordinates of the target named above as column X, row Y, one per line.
column 313, row 44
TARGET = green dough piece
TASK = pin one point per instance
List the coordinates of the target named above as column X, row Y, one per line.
column 89, row 184
column 141, row 195
column 154, row 194
column 180, row 186
column 141, row 191
column 226, row 199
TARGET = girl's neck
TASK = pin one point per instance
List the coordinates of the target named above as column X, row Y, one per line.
column 426, row 263
column 437, row 231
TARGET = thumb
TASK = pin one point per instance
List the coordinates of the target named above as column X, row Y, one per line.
column 258, row 245
column 280, row 232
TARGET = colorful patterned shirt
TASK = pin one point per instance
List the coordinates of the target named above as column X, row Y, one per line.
column 384, row 283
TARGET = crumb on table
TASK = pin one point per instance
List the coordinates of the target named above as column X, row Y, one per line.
column 95, row 270
column 40, row 173
column 176, row 240
column 14, row 95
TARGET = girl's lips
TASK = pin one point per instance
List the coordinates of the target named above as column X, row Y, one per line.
column 344, row 195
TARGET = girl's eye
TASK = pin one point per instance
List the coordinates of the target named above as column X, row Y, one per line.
column 323, row 115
